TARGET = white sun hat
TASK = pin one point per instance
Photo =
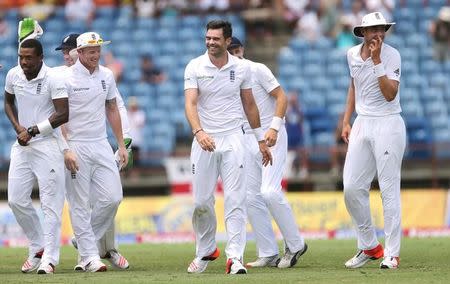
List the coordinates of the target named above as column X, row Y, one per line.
column 370, row 20
column 90, row 39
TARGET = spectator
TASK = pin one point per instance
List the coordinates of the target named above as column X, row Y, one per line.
column 80, row 10
column 149, row 72
column 293, row 10
column 136, row 118
column 384, row 6
column 294, row 128
column 357, row 12
column 5, row 30
column 212, row 6
column 440, row 31
column 328, row 13
column 39, row 10
column 113, row 64
column 144, row 8
column 308, row 26
column 338, row 150
column 345, row 38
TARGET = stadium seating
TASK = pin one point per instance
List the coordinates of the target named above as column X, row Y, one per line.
column 317, row 71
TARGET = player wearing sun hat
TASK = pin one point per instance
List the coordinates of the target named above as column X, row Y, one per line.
column 106, row 244
column 92, row 178
column 376, row 141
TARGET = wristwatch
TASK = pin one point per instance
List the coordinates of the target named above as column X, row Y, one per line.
column 30, row 131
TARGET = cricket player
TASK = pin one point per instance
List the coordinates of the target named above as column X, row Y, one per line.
column 264, row 192
column 376, row 142
column 42, row 106
column 107, row 243
column 92, row 178
column 217, row 87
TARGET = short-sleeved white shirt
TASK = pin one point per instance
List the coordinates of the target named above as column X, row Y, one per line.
column 87, row 96
column 120, row 106
column 368, row 97
column 35, row 97
column 263, row 82
column 219, row 102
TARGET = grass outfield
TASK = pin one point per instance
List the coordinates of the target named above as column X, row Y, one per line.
column 423, row 261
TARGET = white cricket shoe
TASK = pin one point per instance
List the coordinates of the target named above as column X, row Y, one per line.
column 80, row 265
column 95, row 266
column 289, row 258
column 116, row 260
column 32, row 263
column 46, row 268
column 234, row 266
column 390, row 262
column 269, row 261
column 199, row 264
column 364, row 256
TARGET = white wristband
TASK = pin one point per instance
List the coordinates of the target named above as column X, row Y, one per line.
column 276, row 123
column 379, row 70
column 45, row 127
column 259, row 134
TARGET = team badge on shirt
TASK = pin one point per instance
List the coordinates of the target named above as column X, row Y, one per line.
column 38, row 88
column 104, row 85
column 232, row 76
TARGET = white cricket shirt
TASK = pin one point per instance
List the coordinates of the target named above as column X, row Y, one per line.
column 219, row 101
column 87, row 96
column 263, row 82
column 120, row 106
column 368, row 97
column 35, row 97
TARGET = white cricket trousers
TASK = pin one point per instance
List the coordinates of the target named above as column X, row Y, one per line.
column 227, row 160
column 42, row 161
column 376, row 144
column 96, row 184
column 264, row 194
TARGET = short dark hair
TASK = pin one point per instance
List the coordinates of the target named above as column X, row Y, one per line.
column 33, row 43
column 220, row 24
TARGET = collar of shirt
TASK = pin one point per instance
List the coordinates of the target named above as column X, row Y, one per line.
column 83, row 70
column 231, row 61
column 39, row 76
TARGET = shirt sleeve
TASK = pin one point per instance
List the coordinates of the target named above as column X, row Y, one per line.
column 190, row 77
column 266, row 78
column 112, row 87
column 247, row 81
column 123, row 115
column 9, row 82
column 392, row 66
column 349, row 62
column 57, row 85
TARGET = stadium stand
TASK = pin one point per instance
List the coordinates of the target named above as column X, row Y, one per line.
column 316, row 70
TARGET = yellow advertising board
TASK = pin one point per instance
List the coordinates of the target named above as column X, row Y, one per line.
column 313, row 210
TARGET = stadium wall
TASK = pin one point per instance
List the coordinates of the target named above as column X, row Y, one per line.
column 321, row 215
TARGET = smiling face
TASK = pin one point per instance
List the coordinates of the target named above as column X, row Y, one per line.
column 68, row 60
column 216, row 42
column 90, row 57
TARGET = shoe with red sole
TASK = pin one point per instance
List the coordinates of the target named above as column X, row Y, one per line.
column 199, row 264
column 364, row 256
column 32, row 263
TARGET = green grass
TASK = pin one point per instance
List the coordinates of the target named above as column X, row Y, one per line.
column 422, row 261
